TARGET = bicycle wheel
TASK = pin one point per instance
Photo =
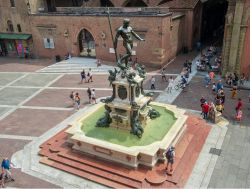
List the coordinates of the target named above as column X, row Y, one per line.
column 176, row 87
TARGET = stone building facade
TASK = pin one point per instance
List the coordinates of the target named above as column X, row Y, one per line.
column 15, row 33
column 81, row 28
column 236, row 46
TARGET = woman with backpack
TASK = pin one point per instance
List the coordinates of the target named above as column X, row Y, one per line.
column 170, row 154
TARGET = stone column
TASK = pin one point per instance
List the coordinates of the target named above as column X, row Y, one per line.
column 234, row 47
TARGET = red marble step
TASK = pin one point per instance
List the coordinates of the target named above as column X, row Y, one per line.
column 191, row 155
column 85, row 175
column 122, row 171
column 91, row 170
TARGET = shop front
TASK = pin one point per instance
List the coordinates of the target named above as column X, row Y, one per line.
column 16, row 45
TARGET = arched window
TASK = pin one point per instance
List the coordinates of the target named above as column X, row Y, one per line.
column 164, row 1
column 19, row 28
column 12, row 3
column 10, row 26
column 134, row 3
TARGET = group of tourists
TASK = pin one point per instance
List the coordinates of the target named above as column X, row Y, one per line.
column 205, row 61
column 76, row 100
column 218, row 90
column 87, row 77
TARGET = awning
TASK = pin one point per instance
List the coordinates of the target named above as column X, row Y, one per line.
column 14, row 36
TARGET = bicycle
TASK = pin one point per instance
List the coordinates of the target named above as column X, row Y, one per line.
column 179, row 86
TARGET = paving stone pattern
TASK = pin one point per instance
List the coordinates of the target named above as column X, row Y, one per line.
column 43, row 111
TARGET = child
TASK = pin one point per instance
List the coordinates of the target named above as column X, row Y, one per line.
column 238, row 116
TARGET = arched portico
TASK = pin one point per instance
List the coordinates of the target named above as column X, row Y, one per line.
column 134, row 3
column 86, row 43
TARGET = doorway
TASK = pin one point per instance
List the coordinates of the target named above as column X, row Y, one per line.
column 213, row 21
column 86, row 44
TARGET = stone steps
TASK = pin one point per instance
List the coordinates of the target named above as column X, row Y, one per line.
column 126, row 172
column 63, row 67
column 82, row 174
column 58, row 154
column 92, row 170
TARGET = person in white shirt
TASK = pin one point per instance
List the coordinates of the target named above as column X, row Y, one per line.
column 152, row 83
column 93, row 98
column 90, row 75
column 170, row 84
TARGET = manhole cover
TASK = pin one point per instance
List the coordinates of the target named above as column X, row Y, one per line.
column 215, row 151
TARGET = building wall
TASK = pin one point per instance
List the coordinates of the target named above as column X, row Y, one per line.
column 197, row 22
column 17, row 14
column 177, row 39
column 56, row 26
column 237, row 38
column 245, row 60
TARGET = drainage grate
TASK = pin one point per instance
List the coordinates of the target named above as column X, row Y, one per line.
column 215, row 151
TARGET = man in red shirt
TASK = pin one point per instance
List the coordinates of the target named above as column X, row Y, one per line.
column 205, row 110
column 239, row 105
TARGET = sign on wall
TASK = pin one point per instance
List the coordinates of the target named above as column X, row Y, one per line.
column 48, row 43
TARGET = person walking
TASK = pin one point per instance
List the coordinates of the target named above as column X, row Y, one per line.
column 219, row 86
column 218, row 103
column 205, row 110
column 83, row 76
column 6, row 170
column 72, row 97
column 93, row 97
column 77, row 101
column 152, row 83
column 242, row 80
column 90, row 75
column 170, row 155
column 89, row 94
column 170, row 84
column 163, row 75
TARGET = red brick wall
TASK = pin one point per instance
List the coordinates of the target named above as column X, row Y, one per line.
column 177, row 34
column 157, row 36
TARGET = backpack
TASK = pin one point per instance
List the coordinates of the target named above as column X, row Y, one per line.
column 169, row 154
column 88, row 74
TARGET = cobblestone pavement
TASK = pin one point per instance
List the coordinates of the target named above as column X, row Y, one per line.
column 33, row 103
